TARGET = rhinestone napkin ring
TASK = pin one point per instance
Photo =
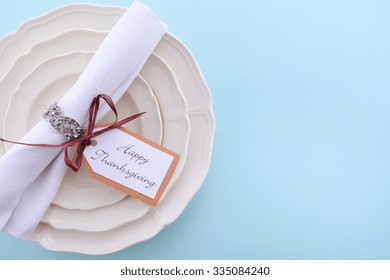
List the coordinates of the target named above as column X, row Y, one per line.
column 64, row 125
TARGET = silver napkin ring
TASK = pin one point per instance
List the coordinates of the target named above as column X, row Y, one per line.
column 64, row 125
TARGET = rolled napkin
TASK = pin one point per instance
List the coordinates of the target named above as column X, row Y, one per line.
column 30, row 176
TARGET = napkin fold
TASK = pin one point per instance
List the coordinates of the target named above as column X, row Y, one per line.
column 31, row 176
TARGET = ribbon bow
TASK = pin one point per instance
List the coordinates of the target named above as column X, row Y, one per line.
column 86, row 139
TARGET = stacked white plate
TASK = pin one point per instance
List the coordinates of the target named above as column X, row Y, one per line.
column 41, row 60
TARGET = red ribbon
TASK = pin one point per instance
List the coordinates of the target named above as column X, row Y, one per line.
column 85, row 140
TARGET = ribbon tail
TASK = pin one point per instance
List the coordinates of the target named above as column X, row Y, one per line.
column 67, row 160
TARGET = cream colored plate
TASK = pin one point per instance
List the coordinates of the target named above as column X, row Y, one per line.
column 190, row 180
column 175, row 122
column 49, row 81
column 45, row 85
column 71, row 196
column 200, row 145
column 78, row 190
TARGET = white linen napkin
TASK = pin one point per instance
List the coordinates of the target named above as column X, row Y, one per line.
column 30, row 176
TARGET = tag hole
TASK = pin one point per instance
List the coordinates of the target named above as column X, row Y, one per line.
column 93, row 143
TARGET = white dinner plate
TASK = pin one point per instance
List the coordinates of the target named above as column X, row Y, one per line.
column 71, row 196
column 45, row 85
column 49, row 81
column 176, row 134
column 79, row 191
column 190, row 79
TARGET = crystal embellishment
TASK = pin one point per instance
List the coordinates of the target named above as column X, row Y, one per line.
column 64, row 125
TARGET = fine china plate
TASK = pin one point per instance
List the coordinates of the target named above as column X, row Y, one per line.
column 199, row 156
column 176, row 134
column 45, row 85
column 190, row 79
column 79, row 189
column 48, row 82
column 64, row 43
column 72, row 196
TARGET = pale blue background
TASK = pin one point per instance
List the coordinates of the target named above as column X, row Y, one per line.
column 301, row 162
